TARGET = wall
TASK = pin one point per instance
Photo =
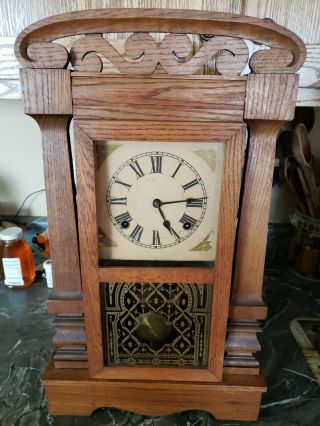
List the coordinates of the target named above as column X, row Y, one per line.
column 21, row 170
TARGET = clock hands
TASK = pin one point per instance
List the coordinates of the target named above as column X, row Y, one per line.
column 188, row 200
column 166, row 223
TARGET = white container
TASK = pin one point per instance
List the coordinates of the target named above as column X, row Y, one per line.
column 47, row 266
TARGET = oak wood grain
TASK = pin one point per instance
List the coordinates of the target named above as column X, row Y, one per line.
column 10, row 85
column 144, row 54
column 16, row 15
column 301, row 17
column 157, row 275
column 46, row 91
column 270, row 101
column 84, row 146
column 253, row 226
column 71, row 392
column 10, row 89
column 271, row 96
column 88, row 244
column 134, row 98
column 159, row 131
column 64, row 305
column 167, row 21
column 60, row 202
column 308, row 97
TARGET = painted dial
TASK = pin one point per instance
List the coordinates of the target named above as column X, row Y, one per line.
column 156, row 199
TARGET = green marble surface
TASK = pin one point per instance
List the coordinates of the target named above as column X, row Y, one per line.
column 293, row 396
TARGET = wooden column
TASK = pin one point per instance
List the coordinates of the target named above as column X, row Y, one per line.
column 47, row 98
column 270, row 102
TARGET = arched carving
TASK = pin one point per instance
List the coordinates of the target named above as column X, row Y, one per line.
column 34, row 47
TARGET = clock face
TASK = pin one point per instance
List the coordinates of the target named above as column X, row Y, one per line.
column 136, row 187
column 158, row 201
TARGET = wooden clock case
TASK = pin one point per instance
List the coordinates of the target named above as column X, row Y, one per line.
column 160, row 93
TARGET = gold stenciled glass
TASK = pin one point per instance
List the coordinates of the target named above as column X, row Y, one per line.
column 157, row 324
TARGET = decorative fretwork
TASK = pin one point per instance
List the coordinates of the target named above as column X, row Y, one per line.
column 143, row 54
column 174, row 54
column 223, row 39
column 157, row 324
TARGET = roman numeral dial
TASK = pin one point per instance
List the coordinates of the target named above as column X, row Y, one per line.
column 156, row 161
column 156, row 200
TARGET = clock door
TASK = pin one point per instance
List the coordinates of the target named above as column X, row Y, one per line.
column 157, row 209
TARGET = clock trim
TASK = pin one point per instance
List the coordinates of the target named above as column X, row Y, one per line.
column 86, row 133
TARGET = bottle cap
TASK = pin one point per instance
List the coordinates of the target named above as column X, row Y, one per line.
column 11, row 234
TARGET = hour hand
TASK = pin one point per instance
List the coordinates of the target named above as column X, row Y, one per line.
column 166, row 223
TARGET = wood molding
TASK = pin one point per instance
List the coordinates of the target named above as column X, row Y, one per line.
column 287, row 52
column 66, row 324
column 71, row 392
column 238, row 312
column 157, row 98
column 242, row 344
column 85, row 135
column 160, row 275
column 70, row 341
column 64, row 305
column 309, row 83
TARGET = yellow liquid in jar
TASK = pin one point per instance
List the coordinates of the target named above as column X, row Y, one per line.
column 20, row 249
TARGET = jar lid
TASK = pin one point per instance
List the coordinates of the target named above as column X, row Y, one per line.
column 11, row 234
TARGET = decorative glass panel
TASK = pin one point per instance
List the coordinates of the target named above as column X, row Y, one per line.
column 157, row 324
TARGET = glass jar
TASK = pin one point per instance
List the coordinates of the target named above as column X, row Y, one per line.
column 17, row 261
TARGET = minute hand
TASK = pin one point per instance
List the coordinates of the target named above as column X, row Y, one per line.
column 188, row 200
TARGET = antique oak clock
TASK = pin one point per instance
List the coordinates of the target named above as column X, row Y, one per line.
column 158, row 210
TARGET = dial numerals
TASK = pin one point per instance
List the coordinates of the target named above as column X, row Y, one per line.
column 135, row 166
column 190, row 184
column 126, row 185
column 176, row 170
column 141, row 185
column 136, row 233
column 123, row 217
column 122, row 201
column 195, row 202
column 156, row 164
column 156, row 238
column 186, row 219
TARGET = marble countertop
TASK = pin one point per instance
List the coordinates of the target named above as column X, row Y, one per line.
column 292, row 399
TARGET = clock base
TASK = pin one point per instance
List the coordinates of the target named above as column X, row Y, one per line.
column 72, row 392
